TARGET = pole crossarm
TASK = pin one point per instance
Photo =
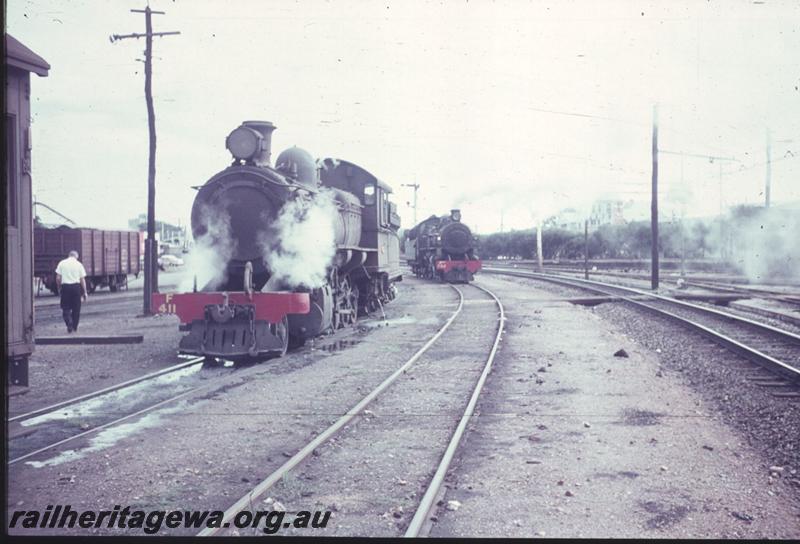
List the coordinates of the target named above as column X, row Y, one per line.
column 117, row 37
column 698, row 155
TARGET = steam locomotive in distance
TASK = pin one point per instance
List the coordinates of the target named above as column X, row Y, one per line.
column 443, row 247
column 296, row 250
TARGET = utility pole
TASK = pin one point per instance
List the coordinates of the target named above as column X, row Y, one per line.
column 539, row 249
column 586, row 249
column 415, row 186
column 150, row 253
column 721, row 219
column 769, row 169
column 683, row 235
column 654, row 207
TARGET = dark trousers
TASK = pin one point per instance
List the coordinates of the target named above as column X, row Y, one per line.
column 71, row 305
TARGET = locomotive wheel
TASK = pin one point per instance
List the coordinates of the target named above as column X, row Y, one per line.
column 282, row 331
column 346, row 309
column 211, row 362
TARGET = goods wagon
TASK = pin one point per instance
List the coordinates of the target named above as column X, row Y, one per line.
column 108, row 256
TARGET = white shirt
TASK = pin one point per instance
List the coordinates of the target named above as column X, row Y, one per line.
column 71, row 270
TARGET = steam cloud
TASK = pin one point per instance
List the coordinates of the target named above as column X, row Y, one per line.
column 300, row 244
column 766, row 245
column 212, row 251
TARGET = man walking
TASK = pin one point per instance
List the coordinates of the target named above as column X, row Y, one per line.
column 71, row 282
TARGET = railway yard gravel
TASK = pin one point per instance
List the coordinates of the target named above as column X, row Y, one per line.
column 207, row 452
column 663, row 440
column 769, row 423
column 377, row 469
column 61, row 372
column 572, row 441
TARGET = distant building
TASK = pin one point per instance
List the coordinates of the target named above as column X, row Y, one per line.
column 567, row 219
column 636, row 210
column 603, row 212
column 170, row 237
column 606, row 212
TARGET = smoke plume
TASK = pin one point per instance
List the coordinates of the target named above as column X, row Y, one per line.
column 766, row 245
column 300, row 243
column 211, row 252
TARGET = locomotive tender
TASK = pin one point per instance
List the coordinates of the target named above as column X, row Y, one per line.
column 443, row 247
column 250, row 310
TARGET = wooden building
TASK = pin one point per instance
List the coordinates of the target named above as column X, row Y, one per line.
column 20, row 63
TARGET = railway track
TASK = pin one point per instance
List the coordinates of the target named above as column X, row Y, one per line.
column 774, row 349
column 724, row 286
column 789, row 298
column 49, row 427
column 434, row 489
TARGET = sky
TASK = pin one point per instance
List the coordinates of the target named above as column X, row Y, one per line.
column 507, row 109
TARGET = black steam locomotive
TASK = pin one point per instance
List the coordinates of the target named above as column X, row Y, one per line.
column 254, row 219
column 443, row 247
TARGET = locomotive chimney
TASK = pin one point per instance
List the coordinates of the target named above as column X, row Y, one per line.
column 264, row 128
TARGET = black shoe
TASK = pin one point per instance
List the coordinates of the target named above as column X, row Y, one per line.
column 69, row 331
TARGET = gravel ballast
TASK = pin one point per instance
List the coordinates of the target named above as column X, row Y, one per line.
column 705, row 454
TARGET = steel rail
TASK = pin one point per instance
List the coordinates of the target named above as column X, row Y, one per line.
column 427, row 502
column 106, row 425
column 106, row 390
column 711, row 311
column 770, row 363
column 709, row 283
column 112, row 388
column 258, row 491
column 578, row 282
column 754, row 291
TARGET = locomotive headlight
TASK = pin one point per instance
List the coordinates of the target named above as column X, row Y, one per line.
column 244, row 143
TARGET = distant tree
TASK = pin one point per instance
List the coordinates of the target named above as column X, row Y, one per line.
column 628, row 241
column 746, row 211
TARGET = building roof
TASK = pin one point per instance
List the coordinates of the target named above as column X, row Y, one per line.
column 19, row 56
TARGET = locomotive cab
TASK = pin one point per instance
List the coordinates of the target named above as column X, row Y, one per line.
column 379, row 247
